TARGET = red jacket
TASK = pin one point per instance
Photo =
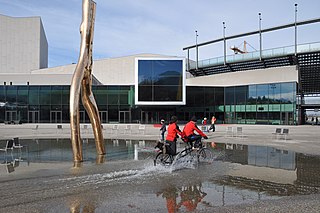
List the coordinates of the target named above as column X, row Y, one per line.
column 190, row 127
column 173, row 130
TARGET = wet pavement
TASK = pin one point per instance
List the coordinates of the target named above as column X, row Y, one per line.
column 242, row 178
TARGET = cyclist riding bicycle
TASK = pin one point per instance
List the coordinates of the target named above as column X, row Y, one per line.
column 189, row 132
column 171, row 139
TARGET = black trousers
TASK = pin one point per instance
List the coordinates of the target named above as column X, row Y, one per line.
column 171, row 147
column 212, row 127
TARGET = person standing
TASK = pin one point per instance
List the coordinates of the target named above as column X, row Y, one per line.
column 213, row 121
column 173, row 132
column 163, row 129
column 204, row 124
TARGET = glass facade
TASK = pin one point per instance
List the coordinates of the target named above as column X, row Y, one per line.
column 261, row 104
column 250, row 104
column 50, row 104
column 160, row 81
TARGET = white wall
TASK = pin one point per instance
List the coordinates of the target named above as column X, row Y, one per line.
column 258, row 76
column 21, row 40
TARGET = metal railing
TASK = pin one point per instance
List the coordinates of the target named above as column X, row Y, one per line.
column 268, row 53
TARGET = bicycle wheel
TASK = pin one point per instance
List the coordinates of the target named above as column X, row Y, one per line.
column 163, row 159
column 205, row 155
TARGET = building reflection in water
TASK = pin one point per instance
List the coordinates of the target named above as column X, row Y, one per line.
column 271, row 170
column 252, row 172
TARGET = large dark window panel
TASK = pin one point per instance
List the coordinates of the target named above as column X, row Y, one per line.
column 191, row 96
column 167, row 93
column 145, row 93
column 160, row 80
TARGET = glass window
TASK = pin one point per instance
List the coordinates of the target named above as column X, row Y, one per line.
column 160, row 80
column 252, row 95
column 11, row 95
column 33, row 95
column 113, row 98
column 209, row 96
column 240, row 95
column 230, row 100
column 44, row 95
column 288, row 92
column 195, row 96
column 219, row 96
column 274, row 93
column 56, row 94
column 101, row 95
column 2, row 94
column 262, row 94
column 22, row 95
column 65, row 95
column 124, row 99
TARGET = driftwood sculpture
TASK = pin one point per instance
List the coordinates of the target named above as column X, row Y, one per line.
column 82, row 82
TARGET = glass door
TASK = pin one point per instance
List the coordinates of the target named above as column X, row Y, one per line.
column 124, row 116
column 56, row 117
column 103, row 116
column 33, row 117
column 11, row 116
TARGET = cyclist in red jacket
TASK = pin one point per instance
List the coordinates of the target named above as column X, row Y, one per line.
column 172, row 135
column 189, row 129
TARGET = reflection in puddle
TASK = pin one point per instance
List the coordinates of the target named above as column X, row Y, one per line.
column 184, row 198
column 239, row 174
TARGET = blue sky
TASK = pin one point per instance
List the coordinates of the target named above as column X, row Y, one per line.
column 127, row 27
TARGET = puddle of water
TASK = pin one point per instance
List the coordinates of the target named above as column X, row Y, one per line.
column 239, row 174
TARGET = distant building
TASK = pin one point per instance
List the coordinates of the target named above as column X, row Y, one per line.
column 142, row 88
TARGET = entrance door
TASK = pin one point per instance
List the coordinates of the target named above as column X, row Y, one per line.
column 11, row 116
column 144, row 117
column 104, row 116
column 33, row 117
column 56, row 117
column 124, row 116
column 287, row 118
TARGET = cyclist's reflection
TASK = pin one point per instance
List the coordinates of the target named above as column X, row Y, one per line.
column 170, row 194
column 190, row 196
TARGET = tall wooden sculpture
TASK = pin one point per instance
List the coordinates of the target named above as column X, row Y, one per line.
column 82, row 82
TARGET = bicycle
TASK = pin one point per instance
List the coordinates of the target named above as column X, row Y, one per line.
column 201, row 152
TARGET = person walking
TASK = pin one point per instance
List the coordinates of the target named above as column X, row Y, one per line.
column 163, row 129
column 213, row 121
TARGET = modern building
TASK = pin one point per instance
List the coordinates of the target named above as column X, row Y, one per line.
column 143, row 88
